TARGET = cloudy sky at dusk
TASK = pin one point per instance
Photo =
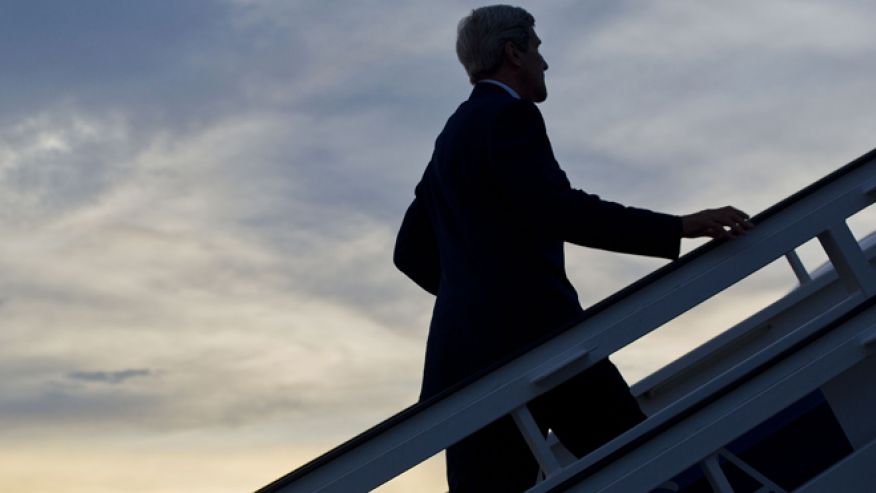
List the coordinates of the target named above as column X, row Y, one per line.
column 198, row 202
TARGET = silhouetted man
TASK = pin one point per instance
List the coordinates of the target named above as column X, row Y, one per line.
column 485, row 234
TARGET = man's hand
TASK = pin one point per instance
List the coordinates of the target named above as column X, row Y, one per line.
column 726, row 222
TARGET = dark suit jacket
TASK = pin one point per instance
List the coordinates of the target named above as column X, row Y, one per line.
column 485, row 234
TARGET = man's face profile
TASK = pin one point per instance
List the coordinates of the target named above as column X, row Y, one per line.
column 532, row 71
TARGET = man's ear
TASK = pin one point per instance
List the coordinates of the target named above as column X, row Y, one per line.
column 512, row 54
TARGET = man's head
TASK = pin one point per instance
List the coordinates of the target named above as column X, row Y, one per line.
column 498, row 42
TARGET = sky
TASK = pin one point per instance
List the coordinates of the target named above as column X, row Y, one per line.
column 198, row 203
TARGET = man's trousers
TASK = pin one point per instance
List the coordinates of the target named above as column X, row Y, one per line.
column 583, row 412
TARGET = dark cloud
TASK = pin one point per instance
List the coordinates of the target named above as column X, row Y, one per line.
column 111, row 377
column 98, row 52
column 59, row 407
column 162, row 65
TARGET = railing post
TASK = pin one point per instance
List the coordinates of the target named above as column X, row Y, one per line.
column 797, row 266
column 766, row 483
column 715, row 475
column 848, row 260
column 536, row 441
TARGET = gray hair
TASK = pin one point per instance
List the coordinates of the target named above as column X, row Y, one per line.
column 481, row 38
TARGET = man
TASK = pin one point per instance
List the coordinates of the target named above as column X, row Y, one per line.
column 485, row 234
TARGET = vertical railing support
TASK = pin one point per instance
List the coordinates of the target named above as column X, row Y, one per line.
column 536, row 441
column 797, row 266
column 766, row 483
column 848, row 260
column 715, row 475
column 718, row 480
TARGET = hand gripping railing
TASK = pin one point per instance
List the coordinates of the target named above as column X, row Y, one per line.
column 426, row 428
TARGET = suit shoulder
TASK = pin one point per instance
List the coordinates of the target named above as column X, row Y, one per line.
column 523, row 108
column 520, row 115
column 497, row 110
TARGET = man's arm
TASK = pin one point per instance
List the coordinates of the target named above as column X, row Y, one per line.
column 532, row 186
column 416, row 249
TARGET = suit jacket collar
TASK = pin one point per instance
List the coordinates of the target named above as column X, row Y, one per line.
column 483, row 89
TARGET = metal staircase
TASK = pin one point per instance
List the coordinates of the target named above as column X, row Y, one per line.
column 783, row 401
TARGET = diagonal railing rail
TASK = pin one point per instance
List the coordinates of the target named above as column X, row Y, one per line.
column 424, row 429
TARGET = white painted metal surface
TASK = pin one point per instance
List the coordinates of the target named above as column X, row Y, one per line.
column 707, row 430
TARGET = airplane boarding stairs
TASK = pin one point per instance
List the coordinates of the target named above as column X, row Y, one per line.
column 783, row 401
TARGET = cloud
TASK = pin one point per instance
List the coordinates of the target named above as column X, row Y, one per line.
column 58, row 160
column 705, row 92
column 111, row 377
column 102, row 54
column 235, row 265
